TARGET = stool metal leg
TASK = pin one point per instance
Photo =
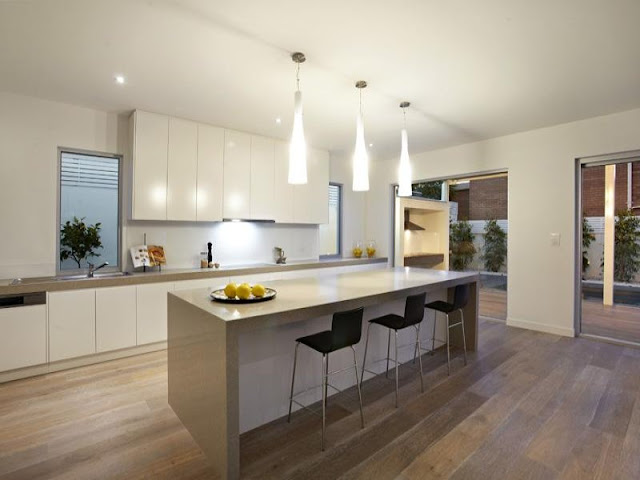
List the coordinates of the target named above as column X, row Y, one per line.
column 388, row 352
column 419, row 357
column 325, row 374
column 364, row 359
column 396, row 357
column 355, row 367
column 464, row 338
column 433, row 338
column 448, row 349
column 293, row 378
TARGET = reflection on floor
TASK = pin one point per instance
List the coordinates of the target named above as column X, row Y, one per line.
column 528, row 405
column 621, row 322
column 493, row 303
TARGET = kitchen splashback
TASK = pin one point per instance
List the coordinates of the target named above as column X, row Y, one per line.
column 234, row 243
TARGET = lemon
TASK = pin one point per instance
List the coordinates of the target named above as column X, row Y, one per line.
column 243, row 291
column 230, row 290
column 258, row 290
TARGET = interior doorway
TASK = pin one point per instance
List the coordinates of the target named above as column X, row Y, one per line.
column 609, row 237
column 475, row 237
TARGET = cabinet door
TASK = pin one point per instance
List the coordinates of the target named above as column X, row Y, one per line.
column 115, row 318
column 151, row 312
column 262, row 178
column 311, row 201
column 182, row 170
column 72, row 324
column 237, row 175
column 283, row 197
column 210, row 173
column 150, row 142
column 23, row 337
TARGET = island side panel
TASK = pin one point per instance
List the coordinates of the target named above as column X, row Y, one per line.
column 470, row 319
column 202, row 360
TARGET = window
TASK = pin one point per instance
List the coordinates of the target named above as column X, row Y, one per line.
column 330, row 233
column 89, row 192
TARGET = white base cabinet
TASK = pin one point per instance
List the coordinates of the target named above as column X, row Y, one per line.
column 72, row 324
column 115, row 318
column 151, row 311
column 23, row 342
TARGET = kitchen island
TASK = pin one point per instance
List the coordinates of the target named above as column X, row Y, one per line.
column 229, row 366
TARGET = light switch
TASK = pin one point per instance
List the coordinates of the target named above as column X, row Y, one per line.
column 555, row 239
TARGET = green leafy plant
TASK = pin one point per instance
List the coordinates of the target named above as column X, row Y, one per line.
column 627, row 246
column 587, row 239
column 432, row 190
column 79, row 241
column 461, row 248
column 494, row 252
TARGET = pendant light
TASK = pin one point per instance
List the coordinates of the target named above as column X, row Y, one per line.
column 297, row 145
column 360, row 156
column 404, row 170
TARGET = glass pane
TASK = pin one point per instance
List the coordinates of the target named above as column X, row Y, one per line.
column 330, row 232
column 616, row 316
column 89, row 192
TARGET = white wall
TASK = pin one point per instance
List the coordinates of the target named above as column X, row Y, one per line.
column 31, row 130
column 541, row 166
column 353, row 204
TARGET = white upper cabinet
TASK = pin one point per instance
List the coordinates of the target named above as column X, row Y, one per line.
column 262, row 178
column 283, row 200
column 182, row 169
column 210, row 173
column 150, row 134
column 311, row 201
column 237, row 175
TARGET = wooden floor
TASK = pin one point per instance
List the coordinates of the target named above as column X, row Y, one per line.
column 493, row 303
column 621, row 322
column 529, row 405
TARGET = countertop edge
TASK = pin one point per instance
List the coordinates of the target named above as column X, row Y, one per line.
column 52, row 285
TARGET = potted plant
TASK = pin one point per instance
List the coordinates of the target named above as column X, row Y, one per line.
column 461, row 248
column 494, row 251
column 79, row 241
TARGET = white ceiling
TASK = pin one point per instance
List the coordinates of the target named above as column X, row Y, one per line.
column 471, row 69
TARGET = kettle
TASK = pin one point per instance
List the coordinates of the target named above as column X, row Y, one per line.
column 279, row 255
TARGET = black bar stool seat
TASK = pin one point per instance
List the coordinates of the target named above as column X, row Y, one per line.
column 392, row 321
column 440, row 306
column 346, row 331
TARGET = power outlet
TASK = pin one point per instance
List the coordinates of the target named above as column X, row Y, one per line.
column 555, row 239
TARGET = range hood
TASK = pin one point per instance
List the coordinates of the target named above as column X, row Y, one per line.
column 408, row 224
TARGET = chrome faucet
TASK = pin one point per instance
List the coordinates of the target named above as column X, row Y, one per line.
column 93, row 268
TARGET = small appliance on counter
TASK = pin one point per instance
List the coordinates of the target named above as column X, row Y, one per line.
column 279, row 256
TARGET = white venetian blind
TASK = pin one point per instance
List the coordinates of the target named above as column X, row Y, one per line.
column 78, row 170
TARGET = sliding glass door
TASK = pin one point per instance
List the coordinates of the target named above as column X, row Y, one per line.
column 610, row 249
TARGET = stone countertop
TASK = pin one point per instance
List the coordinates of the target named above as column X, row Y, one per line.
column 316, row 296
column 51, row 284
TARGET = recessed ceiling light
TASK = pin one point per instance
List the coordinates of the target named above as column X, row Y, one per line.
column 371, row 144
column 119, row 79
column 278, row 120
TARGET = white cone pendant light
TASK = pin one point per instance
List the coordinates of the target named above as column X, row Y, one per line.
column 297, row 145
column 360, row 156
column 404, row 170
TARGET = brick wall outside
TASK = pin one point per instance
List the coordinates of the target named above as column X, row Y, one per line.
column 593, row 189
column 462, row 197
column 488, row 199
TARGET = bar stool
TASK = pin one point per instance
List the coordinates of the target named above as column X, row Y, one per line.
column 413, row 315
column 460, row 300
column 346, row 331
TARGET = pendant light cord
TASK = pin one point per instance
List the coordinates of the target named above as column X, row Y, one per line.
column 298, row 76
column 360, row 101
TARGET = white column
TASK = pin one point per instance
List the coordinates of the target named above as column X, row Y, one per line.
column 609, row 230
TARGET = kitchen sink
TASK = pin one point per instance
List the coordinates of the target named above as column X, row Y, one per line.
column 95, row 276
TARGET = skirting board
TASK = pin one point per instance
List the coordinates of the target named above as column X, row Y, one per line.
column 540, row 327
column 79, row 362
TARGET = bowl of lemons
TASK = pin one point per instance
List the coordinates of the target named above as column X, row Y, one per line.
column 243, row 293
